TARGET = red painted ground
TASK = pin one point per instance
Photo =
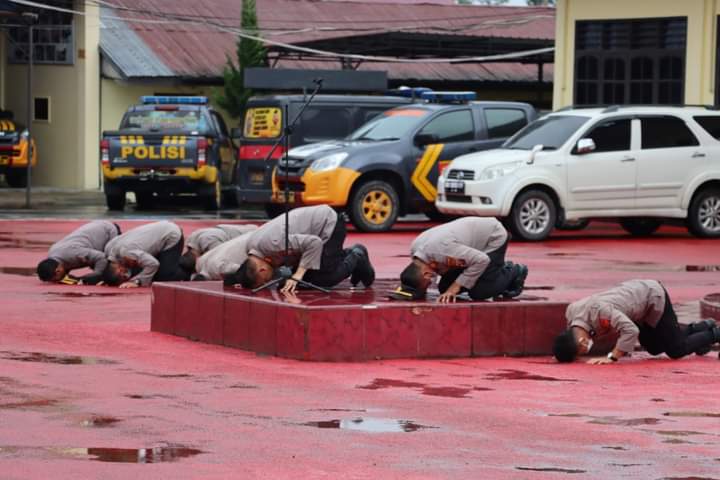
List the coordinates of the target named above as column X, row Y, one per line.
column 259, row 417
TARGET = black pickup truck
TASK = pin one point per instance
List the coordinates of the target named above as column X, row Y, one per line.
column 168, row 146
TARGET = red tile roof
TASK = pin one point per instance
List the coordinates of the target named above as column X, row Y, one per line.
column 196, row 50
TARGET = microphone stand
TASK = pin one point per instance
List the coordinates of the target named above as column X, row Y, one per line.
column 285, row 272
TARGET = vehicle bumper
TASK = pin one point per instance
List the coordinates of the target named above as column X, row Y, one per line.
column 481, row 198
column 329, row 188
column 180, row 180
column 255, row 181
column 17, row 156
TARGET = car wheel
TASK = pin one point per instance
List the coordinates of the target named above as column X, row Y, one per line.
column 704, row 213
column 574, row 225
column 115, row 201
column 17, row 177
column 273, row 210
column 640, row 227
column 374, row 206
column 533, row 216
column 212, row 200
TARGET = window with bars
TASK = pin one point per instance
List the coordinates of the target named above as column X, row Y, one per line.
column 53, row 37
column 630, row 61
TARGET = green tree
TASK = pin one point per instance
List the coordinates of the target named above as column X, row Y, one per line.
column 250, row 53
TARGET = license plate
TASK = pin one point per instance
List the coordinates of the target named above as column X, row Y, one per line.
column 454, row 186
column 257, row 177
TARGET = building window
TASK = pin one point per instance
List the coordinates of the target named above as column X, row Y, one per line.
column 41, row 109
column 630, row 61
column 53, row 37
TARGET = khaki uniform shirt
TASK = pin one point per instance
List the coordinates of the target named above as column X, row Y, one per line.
column 621, row 309
column 310, row 228
column 462, row 243
column 205, row 239
column 85, row 246
column 223, row 259
column 141, row 245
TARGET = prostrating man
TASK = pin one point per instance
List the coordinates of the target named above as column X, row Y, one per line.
column 145, row 254
column 203, row 240
column 469, row 255
column 82, row 248
column 316, row 236
column 635, row 310
column 223, row 261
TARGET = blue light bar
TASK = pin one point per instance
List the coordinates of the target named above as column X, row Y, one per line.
column 442, row 97
column 168, row 100
column 408, row 92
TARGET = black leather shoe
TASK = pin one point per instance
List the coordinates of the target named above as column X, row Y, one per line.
column 364, row 271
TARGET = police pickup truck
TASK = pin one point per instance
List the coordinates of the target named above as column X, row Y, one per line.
column 389, row 166
column 167, row 146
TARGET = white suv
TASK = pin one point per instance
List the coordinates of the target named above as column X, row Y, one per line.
column 638, row 164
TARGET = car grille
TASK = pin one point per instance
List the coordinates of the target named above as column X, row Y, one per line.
column 292, row 186
column 459, row 198
column 461, row 175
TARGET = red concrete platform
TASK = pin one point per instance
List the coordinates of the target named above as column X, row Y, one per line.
column 710, row 306
column 354, row 324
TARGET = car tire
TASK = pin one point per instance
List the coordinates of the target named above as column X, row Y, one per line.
column 212, row 200
column 374, row 206
column 273, row 210
column 17, row 177
column 115, row 201
column 704, row 213
column 640, row 227
column 574, row 225
column 533, row 216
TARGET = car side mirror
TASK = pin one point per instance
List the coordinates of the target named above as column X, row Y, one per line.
column 585, row 145
column 423, row 139
column 533, row 151
column 236, row 133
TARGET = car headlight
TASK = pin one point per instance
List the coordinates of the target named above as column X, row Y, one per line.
column 328, row 163
column 499, row 171
column 25, row 134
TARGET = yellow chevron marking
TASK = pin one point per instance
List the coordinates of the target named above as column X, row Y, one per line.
column 140, row 140
column 183, row 140
column 419, row 177
column 123, row 139
column 165, row 140
column 3, row 125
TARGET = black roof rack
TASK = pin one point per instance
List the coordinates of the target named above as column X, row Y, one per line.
column 614, row 108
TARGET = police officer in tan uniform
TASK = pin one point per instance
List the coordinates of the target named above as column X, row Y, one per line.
column 636, row 310
column 145, row 254
column 469, row 255
column 203, row 240
column 223, row 260
column 316, row 254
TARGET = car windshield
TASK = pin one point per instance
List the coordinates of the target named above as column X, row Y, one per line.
column 550, row 132
column 188, row 120
column 391, row 125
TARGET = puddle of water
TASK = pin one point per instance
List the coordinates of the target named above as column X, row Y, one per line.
column 132, row 455
column 679, row 433
column 521, row 375
column 28, row 404
column 614, row 448
column 50, row 358
column 657, row 400
column 7, row 241
column 84, row 294
column 24, row 271
column 550, row 469
column 243, row 386
column 692, row 414
column 100, row 421
column 372, row 425
column 626, row 422
column 566, row 254
column 702, row 268
column 336, row 410
column 451, row 392
column 483, row 389
column 379, row 383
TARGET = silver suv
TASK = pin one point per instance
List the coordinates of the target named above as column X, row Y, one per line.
column 637, row 164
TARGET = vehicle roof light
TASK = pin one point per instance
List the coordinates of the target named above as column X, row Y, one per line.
column 448, row 97
column 415, row 92
column 170, row 100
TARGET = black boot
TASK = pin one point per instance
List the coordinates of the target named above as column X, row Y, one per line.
column 518, row 283
column 364, row 271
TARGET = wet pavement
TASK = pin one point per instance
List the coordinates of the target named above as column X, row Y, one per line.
column 87, row 391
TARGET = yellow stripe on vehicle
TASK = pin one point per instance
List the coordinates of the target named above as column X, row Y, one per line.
column 420, row 176
column 183, row 140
